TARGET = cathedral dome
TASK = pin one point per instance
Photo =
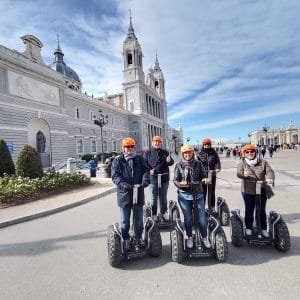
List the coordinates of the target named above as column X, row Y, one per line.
column 60, row 66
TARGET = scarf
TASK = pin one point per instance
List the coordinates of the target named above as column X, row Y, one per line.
column 251, row 162
column 187, row 166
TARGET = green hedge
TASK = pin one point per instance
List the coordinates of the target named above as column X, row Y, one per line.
column 14, row 187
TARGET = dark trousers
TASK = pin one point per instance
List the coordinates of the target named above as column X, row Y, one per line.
column 249, row 201
column 213, row 189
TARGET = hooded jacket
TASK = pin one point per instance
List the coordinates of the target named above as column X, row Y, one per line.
column 124, row 177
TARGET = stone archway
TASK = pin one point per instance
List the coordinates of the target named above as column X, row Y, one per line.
column 39, row 138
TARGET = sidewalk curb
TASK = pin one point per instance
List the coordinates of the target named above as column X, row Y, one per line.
column 56, row 210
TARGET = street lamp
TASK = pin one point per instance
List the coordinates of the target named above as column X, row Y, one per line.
column 174, row 137
column 265, row 130
column 188, row 139
column 249, row 136
column 101, row 121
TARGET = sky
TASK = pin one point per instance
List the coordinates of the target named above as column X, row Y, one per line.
column 230, row 66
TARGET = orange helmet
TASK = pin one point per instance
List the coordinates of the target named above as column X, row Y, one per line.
column 206, row 141
column 157, row 138
column 187, row 148
column 248, row 147
column 128, row 141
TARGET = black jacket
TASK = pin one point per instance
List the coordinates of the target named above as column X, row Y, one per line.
column 157, row 159
column 197, row 173
column 210, row 159
column 124, row 178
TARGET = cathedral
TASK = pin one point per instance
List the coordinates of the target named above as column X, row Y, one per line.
column 43, row 106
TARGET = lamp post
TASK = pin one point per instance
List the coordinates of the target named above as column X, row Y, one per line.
column 249, row 136
column 174, row 137
column 188, row 139
column 265, row 130
column 101, row 121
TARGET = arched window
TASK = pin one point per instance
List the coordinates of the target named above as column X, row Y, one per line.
column 129, row 59
column 40, row 142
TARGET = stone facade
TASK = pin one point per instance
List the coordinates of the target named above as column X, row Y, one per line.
column 289, row 135
column 46, row 109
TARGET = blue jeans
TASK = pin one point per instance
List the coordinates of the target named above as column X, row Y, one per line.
column 249, row 201
column 187, row 209
column 125, row 221
column 154, row 195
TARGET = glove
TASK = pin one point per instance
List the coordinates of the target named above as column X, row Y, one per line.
column 144, row 184
column 127, row 187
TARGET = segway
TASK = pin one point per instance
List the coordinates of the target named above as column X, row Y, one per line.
column 222, row 212
column 173, row 208
column 279, row 233
column 115, row 242
column 215, row 234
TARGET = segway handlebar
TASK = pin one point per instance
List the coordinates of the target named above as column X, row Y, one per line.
column 159, row 178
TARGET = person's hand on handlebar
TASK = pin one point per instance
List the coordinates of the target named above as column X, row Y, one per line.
column 184, row 184
column 206, row 181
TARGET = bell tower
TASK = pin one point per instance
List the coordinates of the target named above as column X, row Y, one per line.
column 133, row 74
column 133, row 57
column 159, row 81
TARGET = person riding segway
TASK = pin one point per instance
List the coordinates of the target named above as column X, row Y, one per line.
column 211, row 163
column 257, row 176
column 201, row 237
column 131, row 175
column 159, row 161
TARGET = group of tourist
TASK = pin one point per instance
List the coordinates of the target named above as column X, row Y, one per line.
column 190, row 178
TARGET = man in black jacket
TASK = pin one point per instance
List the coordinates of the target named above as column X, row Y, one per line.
column 129, row 169
column 211, row 162
column 158, row 161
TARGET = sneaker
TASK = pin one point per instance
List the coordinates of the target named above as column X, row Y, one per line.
column 154, row 218
column 141, row 242
column 248, row 231
column 127, row 245
column 265, row 233
column 189, row 242
column 166, row 216
column 206, row 242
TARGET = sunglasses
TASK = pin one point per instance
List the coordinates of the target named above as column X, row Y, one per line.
column 206, row 144
column 251, row 151
column 129, row 147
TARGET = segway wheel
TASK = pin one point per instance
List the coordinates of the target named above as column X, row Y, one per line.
column 282, row 237
column 147, row 211
column 221, row 247
column 155, row 247
column 113, row 247
column 225, row 215
column 236, row 232
column 177, row 252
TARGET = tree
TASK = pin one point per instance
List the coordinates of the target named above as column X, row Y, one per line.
column 29, row 163
column 6, row 163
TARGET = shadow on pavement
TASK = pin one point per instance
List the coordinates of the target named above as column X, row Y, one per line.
column 43, row 246
column 291, row 218
column 147, row 262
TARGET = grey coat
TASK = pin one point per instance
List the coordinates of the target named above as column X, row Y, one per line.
column 262, row 170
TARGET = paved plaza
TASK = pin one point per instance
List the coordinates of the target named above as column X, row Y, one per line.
column 64, row 255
